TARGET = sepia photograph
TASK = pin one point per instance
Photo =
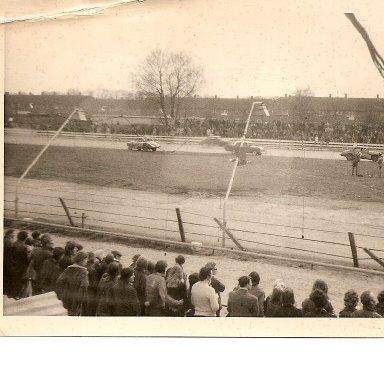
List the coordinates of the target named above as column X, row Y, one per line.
column 193, row 168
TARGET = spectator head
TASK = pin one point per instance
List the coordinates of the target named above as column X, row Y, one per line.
column 113, row 269
column 380, row 297
column 212, row 266
column 319, row 298
column 70, row 248
column 180, row 259
column 127, row 276
column 367, row 299
column 91, row 257
column 9, row 232
column 57, row 252
column 35, row 235
column 150, row 267
column 277, row 295
column 288, row 297
column 161, row 266
column 255, row 278
column 320, row 284
column 205, row 273
column 80, row 258
column 99, row 254
column 244, row 282
column 141, row 264
column 117, row 255
column 79, row 246
column 193, row 278
column 108, row 259
column 22, row 236
column 278, row 283
column 351, row 298
column 46, row 241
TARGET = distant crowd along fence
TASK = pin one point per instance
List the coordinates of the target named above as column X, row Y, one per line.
column 267, row 143
column 171, row 219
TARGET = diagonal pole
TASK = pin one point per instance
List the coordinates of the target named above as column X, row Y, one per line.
column 37, row 159
column 224, row 226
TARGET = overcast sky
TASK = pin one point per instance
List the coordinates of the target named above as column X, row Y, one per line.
column 245, row 47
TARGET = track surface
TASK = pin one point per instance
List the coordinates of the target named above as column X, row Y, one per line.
column 274, row 202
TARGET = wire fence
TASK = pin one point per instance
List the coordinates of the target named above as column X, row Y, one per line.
column 158, row 216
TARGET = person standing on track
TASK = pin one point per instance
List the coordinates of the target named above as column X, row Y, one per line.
column 356, row 156
column 380, row 163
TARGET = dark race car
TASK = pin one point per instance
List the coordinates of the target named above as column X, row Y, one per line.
column 366, row 153
column 143, row 144
column 249, row 146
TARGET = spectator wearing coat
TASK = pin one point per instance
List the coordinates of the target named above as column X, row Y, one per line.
column 351, row 299
column 72, row 285
column 108, row 280
column 140, row 282
column 369, row 306
column 67, row 259
column 7, row 259
column 38, row 255
column 380, row 304
column 50, row 270
column 18, row 265
column 216, row 284
column 308, row 305
column 123, row 297
column 157, row 300
column 240, row 302
column 255, row 290
column 176, row 284
column 288, row 308
column 320, row 301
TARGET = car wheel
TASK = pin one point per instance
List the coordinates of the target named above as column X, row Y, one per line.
column 154, row 149
column 374, row 158
column 146, row 149
column 254, row 153
column 348, row 157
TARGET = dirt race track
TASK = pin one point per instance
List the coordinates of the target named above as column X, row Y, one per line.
column 275, row 200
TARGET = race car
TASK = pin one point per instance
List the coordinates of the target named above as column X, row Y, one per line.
column 143, row 144
column 249, row 146
column 366, row 153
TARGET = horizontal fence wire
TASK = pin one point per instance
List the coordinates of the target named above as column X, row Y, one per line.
column 295, row 249
column 132, row 225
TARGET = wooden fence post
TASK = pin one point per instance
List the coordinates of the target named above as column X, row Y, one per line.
column 181, row 226
column 353, row 249
column 67, row 212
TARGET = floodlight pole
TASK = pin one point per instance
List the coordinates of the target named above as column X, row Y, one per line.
column 233, row 176
column 36, row 160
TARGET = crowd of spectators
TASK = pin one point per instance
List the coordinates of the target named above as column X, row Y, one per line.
column 95, row 283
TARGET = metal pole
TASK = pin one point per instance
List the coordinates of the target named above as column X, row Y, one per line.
column 37, row 158
column 233, row 176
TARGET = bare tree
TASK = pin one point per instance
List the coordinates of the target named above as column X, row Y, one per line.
column 169, row 77
column 304, row 92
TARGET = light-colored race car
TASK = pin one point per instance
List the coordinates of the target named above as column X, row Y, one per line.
column 249, row 146
column 366, row 153
column 143, row 144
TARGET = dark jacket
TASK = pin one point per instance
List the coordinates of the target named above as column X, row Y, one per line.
column 65, row 261
column 103, row 295
column 38, row 256
column 49, row 273
column 288, row 311
column 316, row 312
column 71, row 288
column 124, row 300
column 347, row 312
column 380, row 309
column 139, row 284
column 366, row 313
column 309, row 306
column 242, row 304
